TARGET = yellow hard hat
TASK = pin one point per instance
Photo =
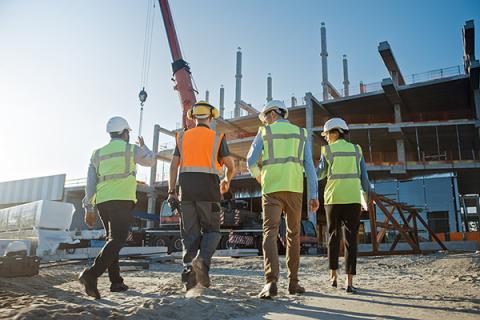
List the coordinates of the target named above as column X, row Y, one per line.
column 203, row 110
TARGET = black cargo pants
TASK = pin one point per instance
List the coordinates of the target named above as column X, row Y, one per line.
column 116, row 216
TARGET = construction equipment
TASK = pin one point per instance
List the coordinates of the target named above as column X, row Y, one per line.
column 240, row 229
column 17, row 263
column 180, row 68
column 470, row 204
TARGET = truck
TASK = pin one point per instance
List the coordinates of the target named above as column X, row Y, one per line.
column 240, row 229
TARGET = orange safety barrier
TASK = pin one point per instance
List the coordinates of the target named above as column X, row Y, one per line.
column 459, row 236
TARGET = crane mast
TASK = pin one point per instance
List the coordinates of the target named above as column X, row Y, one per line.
column 180, row 68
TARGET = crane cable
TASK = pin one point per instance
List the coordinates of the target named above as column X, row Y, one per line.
column 147, row 53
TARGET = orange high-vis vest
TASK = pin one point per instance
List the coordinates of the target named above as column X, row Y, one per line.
column 198, row 149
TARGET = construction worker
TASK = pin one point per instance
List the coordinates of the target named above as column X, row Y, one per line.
column 284, row 155
column 343, row 165
column 111, row 188
column 199, row 155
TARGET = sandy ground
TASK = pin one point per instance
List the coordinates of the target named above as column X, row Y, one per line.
column 401, row 287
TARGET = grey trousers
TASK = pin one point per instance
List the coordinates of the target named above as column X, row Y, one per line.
column 200, row 230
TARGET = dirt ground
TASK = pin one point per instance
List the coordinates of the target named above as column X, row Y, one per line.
column 398, row 287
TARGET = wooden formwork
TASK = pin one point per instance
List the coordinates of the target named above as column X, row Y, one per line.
column 406, row 226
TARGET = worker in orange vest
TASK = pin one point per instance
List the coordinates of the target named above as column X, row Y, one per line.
column 199, row 156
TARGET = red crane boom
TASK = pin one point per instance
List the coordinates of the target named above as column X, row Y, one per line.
column 180, row 68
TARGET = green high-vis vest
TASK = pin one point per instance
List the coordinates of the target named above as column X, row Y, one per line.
column 282, row 157
column 343, row 176
column 116, row 171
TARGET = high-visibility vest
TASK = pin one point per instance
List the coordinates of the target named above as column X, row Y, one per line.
column 282, row 157
column 343, row 175
column 116, row 171
column 198, row 149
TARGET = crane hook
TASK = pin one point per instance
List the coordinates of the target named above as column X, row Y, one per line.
column 142, row 96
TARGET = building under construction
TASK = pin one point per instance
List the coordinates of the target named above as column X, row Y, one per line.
column 419, row 135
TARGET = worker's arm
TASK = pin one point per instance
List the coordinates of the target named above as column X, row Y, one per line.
column 143, row 155
column 254, row 155
column 322, row 169
column 229, row 173
column 364, row 177
column 312, row 184
column 90, row 192
column 172, row 180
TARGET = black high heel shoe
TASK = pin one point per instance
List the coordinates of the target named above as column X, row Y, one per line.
column 334, row 282
column 350, row 289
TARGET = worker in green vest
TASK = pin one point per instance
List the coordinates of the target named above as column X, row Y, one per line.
column 284, row 154
column 342, row 163
column 111, row 190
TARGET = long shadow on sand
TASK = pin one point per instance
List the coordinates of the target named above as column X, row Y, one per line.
column 360, row 294
column 295, row 309
column 395, row 295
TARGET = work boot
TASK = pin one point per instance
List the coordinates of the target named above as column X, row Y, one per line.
column 269, row 290
column 201, row 272
column 295, row 288
column 90, row 284
column 188, row 278
column 118, row 287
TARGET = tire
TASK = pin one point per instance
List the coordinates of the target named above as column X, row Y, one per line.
column 160, row 241
column 222, row 245
column 175, row 245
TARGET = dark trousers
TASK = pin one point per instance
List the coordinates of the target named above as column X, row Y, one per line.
column 200, row 230
column 116, row 216
column 349, row 215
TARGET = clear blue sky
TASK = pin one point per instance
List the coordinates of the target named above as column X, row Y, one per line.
column 67, row 66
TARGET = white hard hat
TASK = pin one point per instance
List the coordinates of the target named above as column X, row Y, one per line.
column 273, row 104
column 16, row 247
column 335, row 123
column 117, row 124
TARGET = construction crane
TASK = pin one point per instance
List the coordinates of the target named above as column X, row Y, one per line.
column 181, row 70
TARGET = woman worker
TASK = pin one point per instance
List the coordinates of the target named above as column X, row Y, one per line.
column 342, row 163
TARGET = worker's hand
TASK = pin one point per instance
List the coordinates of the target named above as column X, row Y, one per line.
column 140, row 142
column 90, row 219
column 173, row 202
column 224, row 186
column 313, row 205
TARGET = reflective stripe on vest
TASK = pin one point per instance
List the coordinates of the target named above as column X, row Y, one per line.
column 213, row 168
column 282, row 157
column 269, row 136
column 127, row 154
column 331, row 157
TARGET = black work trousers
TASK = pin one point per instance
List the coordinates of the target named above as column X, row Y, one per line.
column 349, row 216
column 116, row 216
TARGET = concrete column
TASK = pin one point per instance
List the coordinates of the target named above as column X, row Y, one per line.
column 401, row 151
column 207, row 96
column 152, row 196
column 238, row 84
column 222, row 101
column 397, row 113
column 324, row 55
column 312, row 216
column 269, row 87
column 294, row 101
column 346, row 83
